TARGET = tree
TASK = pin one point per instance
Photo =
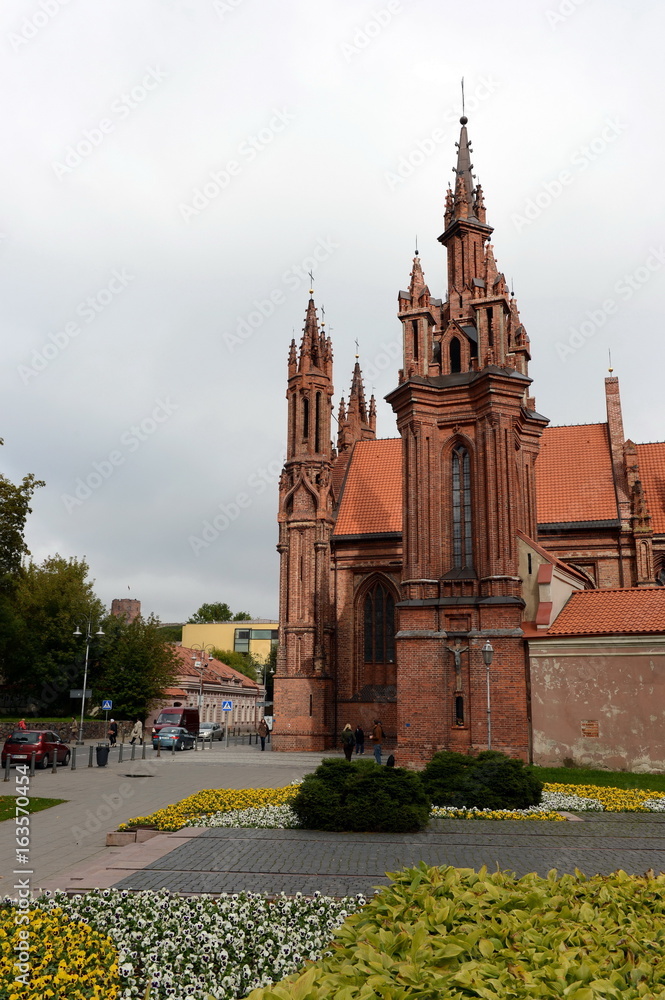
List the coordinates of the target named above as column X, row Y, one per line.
column 217, row 613
column 14, row 509
column 136, row 664
column 48, row 602
column 244, row 663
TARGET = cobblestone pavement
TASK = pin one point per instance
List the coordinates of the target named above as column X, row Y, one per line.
column 338, row 864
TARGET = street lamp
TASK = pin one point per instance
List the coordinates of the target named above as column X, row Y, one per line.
column 88, row 636
column 201, row 669
column 488, row 653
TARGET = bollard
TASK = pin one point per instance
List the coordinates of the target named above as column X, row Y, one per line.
column 133, row 749
column 143, row 751
column 73, row 763
column 33, row 755
column 54, row 765
column 159, row 749
column 122, row 747
column 196, row 743
column 90, row 757
column 8, row 764
column 173, row 750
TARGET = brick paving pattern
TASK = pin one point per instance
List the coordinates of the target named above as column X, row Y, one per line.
column 290, row 861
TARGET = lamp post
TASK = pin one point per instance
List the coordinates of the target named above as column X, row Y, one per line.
column 201, row 669
column 488, row 653
column 88, row 636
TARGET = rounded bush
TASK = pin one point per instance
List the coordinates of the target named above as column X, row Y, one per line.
column 492, row 780
column 361, row 796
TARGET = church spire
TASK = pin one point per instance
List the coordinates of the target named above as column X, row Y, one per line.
column 315, row 347
column 464, row 186
column 356, row 422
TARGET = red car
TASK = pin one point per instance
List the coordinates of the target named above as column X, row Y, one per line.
column 44, row 743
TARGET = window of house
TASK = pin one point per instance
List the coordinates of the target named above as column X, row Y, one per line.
column 241, row 640
column 379, row 625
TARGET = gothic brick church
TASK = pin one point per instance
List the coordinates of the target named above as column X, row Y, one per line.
column 479, row 528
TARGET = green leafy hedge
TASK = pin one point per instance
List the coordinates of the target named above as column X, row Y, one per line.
column 490, row 780
column 362, row 796
column 456, row 933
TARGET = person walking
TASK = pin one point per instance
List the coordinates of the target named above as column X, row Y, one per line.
column 378, row 736
column 22, row 725
column 360, row 739
column 73, row 729
column 113, row 732
column 137, row 733
column 262, row 730
column 348, row 741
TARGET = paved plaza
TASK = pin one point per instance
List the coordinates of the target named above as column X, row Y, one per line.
column 339, row 864
column 67, row 842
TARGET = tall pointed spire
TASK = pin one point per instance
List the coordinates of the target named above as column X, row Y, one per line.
column 464, row 186
column 356, row 422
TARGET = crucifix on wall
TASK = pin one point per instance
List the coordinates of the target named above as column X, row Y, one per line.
column 457, row 651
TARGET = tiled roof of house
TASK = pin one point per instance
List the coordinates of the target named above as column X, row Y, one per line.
column 215, row 671
column 372, row 497
column 574, row 480
column 651, row 458
column 606, row 612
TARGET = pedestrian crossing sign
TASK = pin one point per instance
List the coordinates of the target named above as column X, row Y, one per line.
column 227, row 706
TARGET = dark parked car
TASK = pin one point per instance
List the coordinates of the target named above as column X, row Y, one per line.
column 170, row 736
column 44, row 743
column 210, row 731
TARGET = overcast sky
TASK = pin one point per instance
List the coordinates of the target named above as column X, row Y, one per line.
column 172, row 168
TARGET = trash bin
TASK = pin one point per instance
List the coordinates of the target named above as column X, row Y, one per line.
column 102, row 751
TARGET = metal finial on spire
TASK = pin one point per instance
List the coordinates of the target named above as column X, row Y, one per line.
column 463, row 120
column 357, row 349
column 609, row 353
column 311, row 281
column 416, row 246
column 323, row 315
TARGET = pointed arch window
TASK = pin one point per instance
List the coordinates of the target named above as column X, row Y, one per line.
column 379, row 625
column 455, row 350
column 461, row 497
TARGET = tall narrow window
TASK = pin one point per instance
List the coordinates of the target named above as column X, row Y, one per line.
column 455, row 355
column 317, row 423
column 490, row 326
column 305, row 418
column 414, row 327
column 459, row 710
column 379, row 625
column 462, row 540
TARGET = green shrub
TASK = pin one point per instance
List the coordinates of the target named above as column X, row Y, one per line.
column 362, row 796
column 491, row 780
column 457, row 933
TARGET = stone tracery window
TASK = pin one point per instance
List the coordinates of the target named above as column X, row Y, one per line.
column 379, row 625
column 461, row 508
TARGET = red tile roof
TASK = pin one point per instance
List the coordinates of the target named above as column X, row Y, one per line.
column 606, row 612
column 651, row 458
column 214, row 671
column 574, row 480
column 372, row 497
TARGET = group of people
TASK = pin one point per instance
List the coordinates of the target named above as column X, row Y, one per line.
column 136, row 733
column 356, row 739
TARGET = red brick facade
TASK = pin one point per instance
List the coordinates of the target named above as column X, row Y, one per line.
column 399, row 558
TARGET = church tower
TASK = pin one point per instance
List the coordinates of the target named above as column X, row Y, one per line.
column 470, row 438
column 303, row 680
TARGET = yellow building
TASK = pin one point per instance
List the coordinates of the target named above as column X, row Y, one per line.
column 256, row 637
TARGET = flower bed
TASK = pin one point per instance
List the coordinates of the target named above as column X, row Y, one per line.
column 201, row 948
column 446, row 932
column 65, row 957
column 268, row 808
